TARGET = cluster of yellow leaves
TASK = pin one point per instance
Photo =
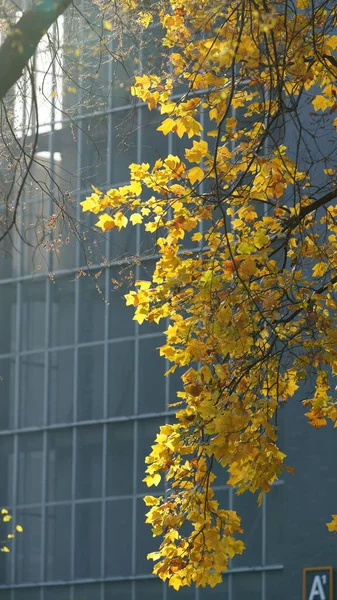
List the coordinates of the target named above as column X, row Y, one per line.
column 238, row 248
column 6, row 518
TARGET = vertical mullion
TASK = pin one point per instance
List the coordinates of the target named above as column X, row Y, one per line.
column 264, row 547
column 136, row 391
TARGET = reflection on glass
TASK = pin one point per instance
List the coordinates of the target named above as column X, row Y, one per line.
column 29, row 469
column 121, row 368
column 8, row 326
column 151, row 382
column 61, row 385
column 89, row 462
column 28, row 555
column 31, row 399
column 33, row 306
column 88, row 541
column 92, row 308
column 7, row 390
column 62, row 292
column 59, row 466
column 58, row 546
column 120, row 443
column 90, row 383
column 118, row 527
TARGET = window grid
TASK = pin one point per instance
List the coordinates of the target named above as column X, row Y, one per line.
column 75, row 426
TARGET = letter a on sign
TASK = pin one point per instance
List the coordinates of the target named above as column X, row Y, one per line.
column 317, row 583
column 317, row 591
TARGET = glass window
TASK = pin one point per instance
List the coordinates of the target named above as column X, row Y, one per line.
column 57, row 552
column 219, row 592
column 8, row 325
column 247, row 586
column 59, row 466
column 120, row 315
column 88, row 541
column 94, row 151
column 5, row 595
column 6, row 470
column 93, row 240
column 118, row 557
column 5, row 563
column 92, row 308
column 28, row 546
column 29, row 469
column 120, row 443
column 65, row 139
column 151, row 589
column 147, row 431
column 145, row 542
column 124, row 143
column 59, row 592
column 151, row 381
column 7, row 391
column 121, row 373
column 90, row 591
column 154, row 143
column 275, row 524
column 90, row 383
column 118, row 590
column 31, row 399
column 27, row 594
column 89, row 462
column 61, row 386
column 33, row 308
column 35, row 257
column 275, row 585
column 184, row 594
column 62, row 292
column 251, row 522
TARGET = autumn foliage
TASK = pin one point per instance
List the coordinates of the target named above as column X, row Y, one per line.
column 246, row 237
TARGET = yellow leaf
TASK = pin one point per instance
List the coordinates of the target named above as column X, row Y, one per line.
column 4, row 511
column 195, row 174
column 197, row 152
column 19, row 528
column 107, row 25
column 166, row 126
column 136, row 218
column 105, row 222
column 5, row 549
column 151, row 501
column 7, row 518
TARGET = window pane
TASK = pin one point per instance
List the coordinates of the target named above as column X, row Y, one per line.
column 59, row 465
column 275, row 514
column 30, row 469
column 251, row 522
column 121, row 375
column 151, row 380
column 5, row 595
column 124, row 138
column 31, row 399
column 154, row 143
column 62, row 312
column 219, row 592
column 35, row 257
column 59, row 592
column 183, row 594
column 147, row 431
column 7, row 390
column 145, row 542
column 58, row 531
column 120, row 315
column 27, row 594
column 120, row 444
column 61, row 386
column 275, row 585
column 65, row 143
column 88, row 541
column 90, row 591
column 119, row 590
column 247, row 586
column 6, row 470
column 94, row 152
column 28, row 546
column 33, row 315
column 149, row 589
column 90, row 383
column 92, row 308
column 8, row 327
column 89, row 462
column 118, row 527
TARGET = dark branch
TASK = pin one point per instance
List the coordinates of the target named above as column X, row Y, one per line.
column 23, row 38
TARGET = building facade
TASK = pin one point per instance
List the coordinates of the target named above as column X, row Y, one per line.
column 83, row 391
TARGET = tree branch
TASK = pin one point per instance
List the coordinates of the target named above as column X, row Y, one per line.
column 23, row 39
